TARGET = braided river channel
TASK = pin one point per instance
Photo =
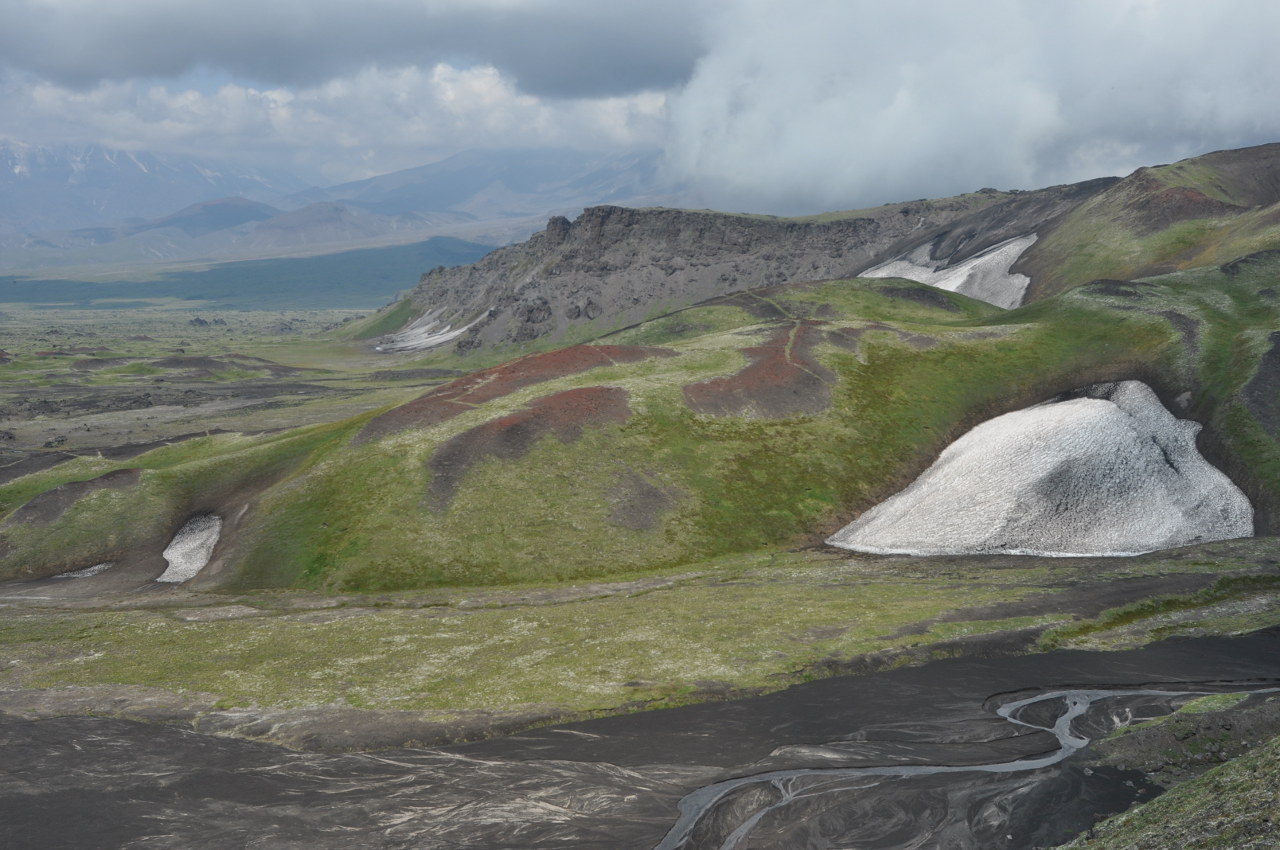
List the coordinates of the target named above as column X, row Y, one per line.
column 958, row 753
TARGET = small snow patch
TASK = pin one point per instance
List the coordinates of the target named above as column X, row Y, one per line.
column 191, row 548
column 87, row 571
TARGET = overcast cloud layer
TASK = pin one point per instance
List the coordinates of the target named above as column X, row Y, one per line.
column 759, row 104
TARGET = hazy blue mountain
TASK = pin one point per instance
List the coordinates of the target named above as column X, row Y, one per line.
column 65, row 187
column 92, row 207
column 211, row 216
column 361, row 279
column 490, row 184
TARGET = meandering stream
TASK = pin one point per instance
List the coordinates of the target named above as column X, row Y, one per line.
column 791, row 787
column 961, row 753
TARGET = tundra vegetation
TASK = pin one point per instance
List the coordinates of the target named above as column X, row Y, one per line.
column 531, row 533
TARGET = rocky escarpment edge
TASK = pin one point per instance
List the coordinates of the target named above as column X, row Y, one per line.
column 613, row 267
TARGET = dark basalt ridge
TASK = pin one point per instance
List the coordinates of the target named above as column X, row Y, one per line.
column 616, row 267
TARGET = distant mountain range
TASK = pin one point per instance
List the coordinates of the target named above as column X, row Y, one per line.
column 53, row 188
column 93, row 208
column 489, row 184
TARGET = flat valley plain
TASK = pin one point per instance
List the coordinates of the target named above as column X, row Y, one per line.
column 468, row 661
column 78, row 380
column 345, row 671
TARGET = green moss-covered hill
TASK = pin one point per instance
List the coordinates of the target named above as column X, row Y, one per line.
column 1203, row 211
column 757, row 420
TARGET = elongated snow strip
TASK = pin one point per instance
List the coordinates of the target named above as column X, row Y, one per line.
column 87, row 572
column 426, row 332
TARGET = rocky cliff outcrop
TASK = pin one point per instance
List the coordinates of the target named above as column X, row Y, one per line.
column 613, row 267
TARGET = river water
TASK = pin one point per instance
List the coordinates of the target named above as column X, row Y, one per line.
column 799, row 789
column 964, row 753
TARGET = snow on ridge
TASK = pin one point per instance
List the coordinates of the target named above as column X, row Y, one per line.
column 1108, row 473
column 985, row 276
column 425, row 332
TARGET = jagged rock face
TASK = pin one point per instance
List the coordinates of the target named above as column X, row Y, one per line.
column 1108, row 471
column 616, row 266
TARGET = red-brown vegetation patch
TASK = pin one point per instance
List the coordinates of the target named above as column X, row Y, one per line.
column 512, row 436
column 1162, row 207
column 783, row 379
column 51, row 504
column 446, row 402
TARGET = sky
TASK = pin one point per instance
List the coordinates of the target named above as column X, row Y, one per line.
column 756, row 105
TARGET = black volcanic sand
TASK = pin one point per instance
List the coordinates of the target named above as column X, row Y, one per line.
column 616, row 782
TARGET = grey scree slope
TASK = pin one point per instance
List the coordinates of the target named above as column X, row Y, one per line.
column 1109, row 472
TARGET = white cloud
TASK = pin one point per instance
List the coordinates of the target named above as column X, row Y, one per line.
column 760, row 105
column 842, row 104
column 553, row 48
column 370, row 122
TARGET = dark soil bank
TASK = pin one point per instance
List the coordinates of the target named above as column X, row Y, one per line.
column 618, row 782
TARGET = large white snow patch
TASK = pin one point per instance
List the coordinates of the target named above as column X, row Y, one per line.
column 1110, row 472
column 985, row 276
column 191, row 548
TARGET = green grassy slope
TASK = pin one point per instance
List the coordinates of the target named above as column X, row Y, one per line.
column 525, row 654
column 1195, row 213
column 904, row 372
column 1232, row 807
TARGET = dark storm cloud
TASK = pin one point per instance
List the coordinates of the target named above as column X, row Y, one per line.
column 557, row 49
